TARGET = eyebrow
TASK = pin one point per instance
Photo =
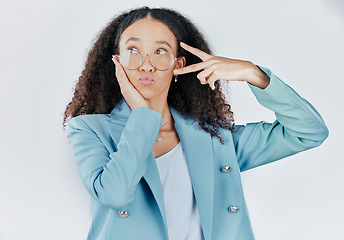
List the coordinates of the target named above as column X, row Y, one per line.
column 135, row 39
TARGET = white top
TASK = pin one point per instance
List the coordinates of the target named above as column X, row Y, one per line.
column 183, row 221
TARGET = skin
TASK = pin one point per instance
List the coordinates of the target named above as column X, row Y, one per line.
column 147, row 32
column 143, row 35
column 216, row 68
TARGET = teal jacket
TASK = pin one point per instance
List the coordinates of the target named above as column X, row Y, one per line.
column 114, row 156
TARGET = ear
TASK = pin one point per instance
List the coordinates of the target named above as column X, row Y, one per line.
column 181, row 61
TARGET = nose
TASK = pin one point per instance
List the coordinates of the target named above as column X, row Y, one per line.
column 146, row 64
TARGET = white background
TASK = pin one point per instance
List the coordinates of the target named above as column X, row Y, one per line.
column 43, row 46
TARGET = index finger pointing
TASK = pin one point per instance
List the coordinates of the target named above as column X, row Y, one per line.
column 195, row 51
column 191, row 68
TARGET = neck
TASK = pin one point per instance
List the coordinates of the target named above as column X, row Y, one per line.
column 162, row 107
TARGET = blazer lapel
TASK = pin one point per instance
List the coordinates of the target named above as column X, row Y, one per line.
column 197, row 146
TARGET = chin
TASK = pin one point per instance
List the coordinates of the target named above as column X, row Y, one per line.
column 147, row 93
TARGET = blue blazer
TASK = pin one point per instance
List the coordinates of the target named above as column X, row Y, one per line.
column 114, row 156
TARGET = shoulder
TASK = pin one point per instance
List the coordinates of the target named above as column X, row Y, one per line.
column 87, row 121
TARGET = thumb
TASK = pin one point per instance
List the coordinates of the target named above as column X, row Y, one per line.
column 212, row 85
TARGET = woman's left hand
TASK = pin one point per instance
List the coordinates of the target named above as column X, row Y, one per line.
column 216, row 68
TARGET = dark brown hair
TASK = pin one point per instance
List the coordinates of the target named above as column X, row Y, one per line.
column 98, row 92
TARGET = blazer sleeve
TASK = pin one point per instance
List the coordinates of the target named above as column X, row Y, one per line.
column 111, row 178
column 298, row 126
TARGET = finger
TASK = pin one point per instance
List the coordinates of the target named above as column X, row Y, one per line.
column 195, row 51
column 206, row 73
column 211, row 81
column 117, row 72
column 192, row 68
column 120, row 74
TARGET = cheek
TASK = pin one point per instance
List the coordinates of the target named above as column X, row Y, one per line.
column 167, row 76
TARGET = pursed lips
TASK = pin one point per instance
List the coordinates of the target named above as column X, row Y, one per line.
column 146, row 79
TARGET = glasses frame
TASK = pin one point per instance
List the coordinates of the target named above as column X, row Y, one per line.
column 150, row 60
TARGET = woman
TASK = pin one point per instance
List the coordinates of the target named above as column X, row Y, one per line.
column 154, row 139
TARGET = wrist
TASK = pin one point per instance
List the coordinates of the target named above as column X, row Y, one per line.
column 258, row 78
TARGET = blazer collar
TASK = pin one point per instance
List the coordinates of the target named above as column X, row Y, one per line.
column 121, row 112
column 197, row 146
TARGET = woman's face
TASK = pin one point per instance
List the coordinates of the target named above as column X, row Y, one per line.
column 149, row 36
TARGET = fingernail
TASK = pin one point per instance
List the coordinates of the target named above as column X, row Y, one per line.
column 175, row 71
column 182, row 44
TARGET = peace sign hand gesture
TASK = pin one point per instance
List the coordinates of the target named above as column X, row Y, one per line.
column 216, row 68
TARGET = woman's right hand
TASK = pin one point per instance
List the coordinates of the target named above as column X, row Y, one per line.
column 129, row 92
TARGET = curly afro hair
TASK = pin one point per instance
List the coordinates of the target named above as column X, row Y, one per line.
column 98, row 92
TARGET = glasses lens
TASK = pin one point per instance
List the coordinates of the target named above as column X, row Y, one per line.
column 131, row 59
column 162, row 60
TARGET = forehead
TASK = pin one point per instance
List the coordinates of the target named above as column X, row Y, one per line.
column 148, row 31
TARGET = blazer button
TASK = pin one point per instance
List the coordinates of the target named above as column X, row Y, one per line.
column 226, row 169
column 233, row 209
column 123, row 214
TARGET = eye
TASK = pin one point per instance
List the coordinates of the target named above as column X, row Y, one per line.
column 133, row 50
column 160, row 51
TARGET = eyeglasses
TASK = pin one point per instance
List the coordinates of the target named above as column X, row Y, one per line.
column 161, row 60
